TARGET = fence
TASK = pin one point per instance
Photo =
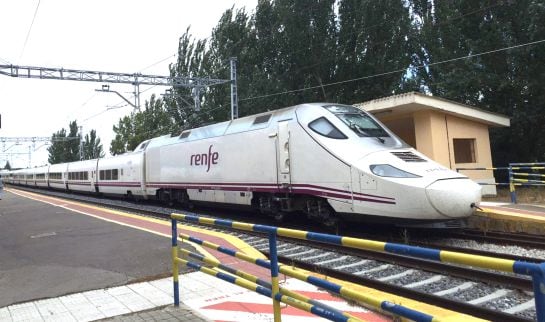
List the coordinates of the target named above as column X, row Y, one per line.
column 536, row 271
column 517, row 179
column 272, row 290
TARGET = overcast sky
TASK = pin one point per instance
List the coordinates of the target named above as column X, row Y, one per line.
column 124, row 36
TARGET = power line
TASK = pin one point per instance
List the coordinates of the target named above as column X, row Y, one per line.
column 396, row 71
column 158, row 62
column 30, row 29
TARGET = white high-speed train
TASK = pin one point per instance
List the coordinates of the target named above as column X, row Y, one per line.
column 325, row 161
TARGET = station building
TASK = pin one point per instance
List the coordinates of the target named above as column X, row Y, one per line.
column 453, row 134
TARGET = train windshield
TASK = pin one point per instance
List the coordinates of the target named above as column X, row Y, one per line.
column 358, row 121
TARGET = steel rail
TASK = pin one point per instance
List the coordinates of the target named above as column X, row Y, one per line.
column 443, row 302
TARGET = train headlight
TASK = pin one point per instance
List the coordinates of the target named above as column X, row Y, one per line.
column 386, row 170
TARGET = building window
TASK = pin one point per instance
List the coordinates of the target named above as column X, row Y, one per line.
column 464, row 150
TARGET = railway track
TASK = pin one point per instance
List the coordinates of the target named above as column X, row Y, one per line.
column 470, row 291
column 505, row 238
column 484, row 294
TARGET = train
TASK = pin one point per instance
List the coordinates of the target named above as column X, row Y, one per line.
column 329, row 162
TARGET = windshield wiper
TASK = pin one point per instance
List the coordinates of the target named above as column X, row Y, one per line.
column 358, row 129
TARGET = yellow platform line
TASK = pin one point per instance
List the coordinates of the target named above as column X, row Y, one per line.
column 510, row 214
column 240, row 244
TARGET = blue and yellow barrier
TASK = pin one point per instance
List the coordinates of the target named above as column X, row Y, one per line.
column 514, row 177
column 321, row 283
column 536, row 271
column 254, row 279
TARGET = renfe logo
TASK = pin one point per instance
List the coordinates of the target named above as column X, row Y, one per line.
column 205, row 159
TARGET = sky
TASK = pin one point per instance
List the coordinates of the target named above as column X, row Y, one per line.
column 125, row 36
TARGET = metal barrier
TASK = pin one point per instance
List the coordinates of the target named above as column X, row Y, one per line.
column 515, row 177
column 535, row 271
column 272, row 289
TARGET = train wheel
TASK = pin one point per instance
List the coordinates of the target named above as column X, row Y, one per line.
column 280, row 216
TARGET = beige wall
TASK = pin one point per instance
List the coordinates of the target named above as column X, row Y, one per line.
column 404, row 128
column 463, row 129
column 433, row 136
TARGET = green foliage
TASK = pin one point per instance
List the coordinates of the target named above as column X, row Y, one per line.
column 350, row 51
column 131, row 130
column 64, row 147
column 508, row 82
column 92, row 148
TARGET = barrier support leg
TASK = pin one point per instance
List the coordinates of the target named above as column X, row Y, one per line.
column 175, row 271
column 274, row 276
column 539, row 292
column 512, row 191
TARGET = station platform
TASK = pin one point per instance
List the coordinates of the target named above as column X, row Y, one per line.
column 508, row 217
column 70, row 261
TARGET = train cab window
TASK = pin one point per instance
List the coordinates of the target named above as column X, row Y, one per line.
column 358, row 121
column 324, row 127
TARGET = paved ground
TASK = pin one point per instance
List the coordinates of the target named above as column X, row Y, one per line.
column 48, row 251
column 167, row 314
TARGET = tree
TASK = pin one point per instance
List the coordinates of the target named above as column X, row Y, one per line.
column 66, row 147
column 291, row 52
column 58, row 150
column 7, row 166
column 505, row 81
column 374, row 38
column 92, row 148
column 131, row 130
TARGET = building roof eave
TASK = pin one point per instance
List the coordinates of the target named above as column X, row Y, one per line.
column 412, row 102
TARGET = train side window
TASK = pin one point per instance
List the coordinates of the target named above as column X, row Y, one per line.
column 323, row 127
column 108, row 174
column 101, row 174
column 115, row 175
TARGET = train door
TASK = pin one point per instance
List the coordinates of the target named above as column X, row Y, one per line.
column 283, row 153
column 143, row 173
column 94, row 177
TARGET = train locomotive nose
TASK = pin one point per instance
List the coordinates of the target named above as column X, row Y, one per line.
column 453, row 198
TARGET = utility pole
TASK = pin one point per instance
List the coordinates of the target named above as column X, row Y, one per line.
column 81, row 155
column 234, row 95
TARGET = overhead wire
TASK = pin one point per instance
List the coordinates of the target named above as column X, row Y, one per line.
column 397, row 70
column 29, row 30
column 375, row 44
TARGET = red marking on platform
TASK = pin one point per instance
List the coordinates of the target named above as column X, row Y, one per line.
column 258, row 308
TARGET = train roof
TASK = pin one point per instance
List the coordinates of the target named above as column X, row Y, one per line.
column 243, row 124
